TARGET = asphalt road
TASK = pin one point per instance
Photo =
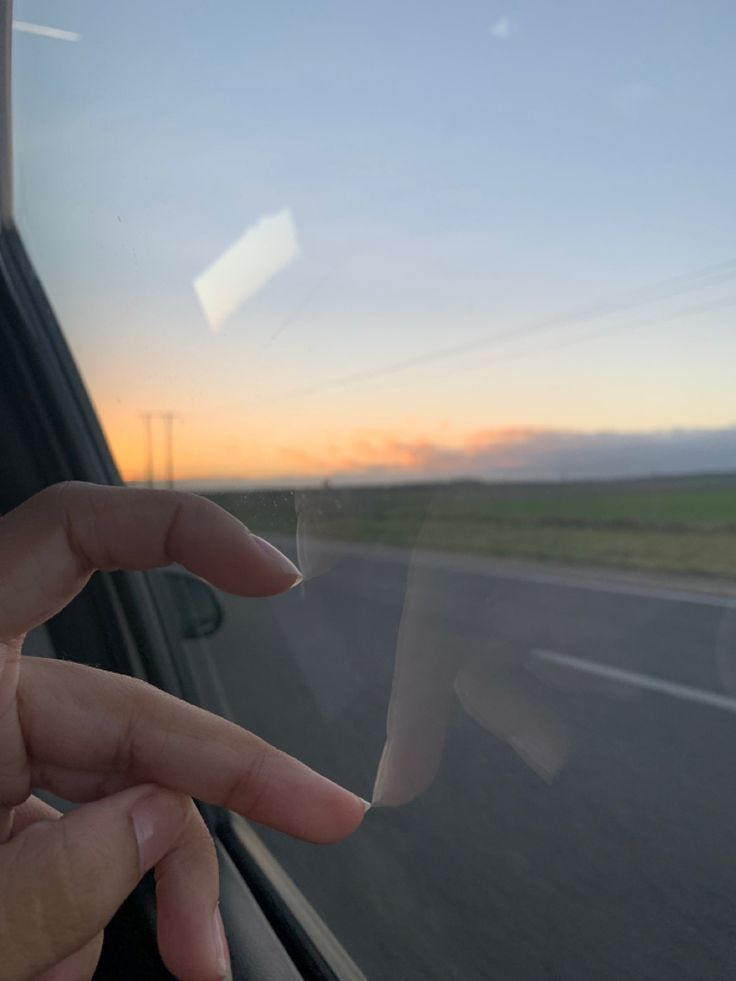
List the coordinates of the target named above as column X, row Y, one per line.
column 581, row 823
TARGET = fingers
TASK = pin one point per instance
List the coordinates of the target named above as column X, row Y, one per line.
column 448, row 645
column 188, row 924
column 77, row 718
column 421, row 698
column 14, row 786
column 57, row 539
column 187, row 921
column 81, row 965
column 427, row 660
column 31, row 811
column 315, row 515
column 89, row 861
column 511, row 704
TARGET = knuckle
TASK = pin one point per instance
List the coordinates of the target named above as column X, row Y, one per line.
column 138, row 696
column 61, row 497
column 193, row 830
column 59, row 492
column 196, row 830
column 248, row 789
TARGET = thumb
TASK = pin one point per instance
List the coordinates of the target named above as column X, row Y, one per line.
column 63, row 880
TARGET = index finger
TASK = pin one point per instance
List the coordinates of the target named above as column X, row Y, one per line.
column 83, row 719
column 51, row 545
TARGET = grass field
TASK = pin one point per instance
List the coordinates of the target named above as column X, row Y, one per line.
column 684, row 525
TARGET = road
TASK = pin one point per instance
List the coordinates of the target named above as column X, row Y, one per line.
column 581, row 824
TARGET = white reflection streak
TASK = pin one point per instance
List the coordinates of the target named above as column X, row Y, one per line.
column 26, row 27
column 263, row 250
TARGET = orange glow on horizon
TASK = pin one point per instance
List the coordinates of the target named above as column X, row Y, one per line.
column 204, row 452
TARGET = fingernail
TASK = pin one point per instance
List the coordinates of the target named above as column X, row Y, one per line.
column 366, row 803
column 223, row 954
column 279, row 560
column 157, row 820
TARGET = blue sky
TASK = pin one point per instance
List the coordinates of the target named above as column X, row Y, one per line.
column 454, row 172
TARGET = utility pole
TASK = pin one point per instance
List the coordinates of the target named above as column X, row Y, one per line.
column 168, row 420
column 148, row 423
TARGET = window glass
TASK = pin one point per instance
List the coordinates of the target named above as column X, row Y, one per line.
column 440, row 298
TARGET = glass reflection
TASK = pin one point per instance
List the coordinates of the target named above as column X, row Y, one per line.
column 489, row 410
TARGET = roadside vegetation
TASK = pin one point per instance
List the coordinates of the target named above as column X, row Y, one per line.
column 683, row 525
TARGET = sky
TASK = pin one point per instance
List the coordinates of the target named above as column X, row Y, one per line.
column 391, row 240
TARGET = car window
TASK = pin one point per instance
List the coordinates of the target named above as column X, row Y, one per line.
column 38, row 643
column 440, row 299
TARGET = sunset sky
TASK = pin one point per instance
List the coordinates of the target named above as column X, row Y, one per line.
column 390, row 240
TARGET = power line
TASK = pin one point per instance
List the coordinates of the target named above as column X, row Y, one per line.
column 609, row 331
column 310, row 294
column 168, row 421
column 615, row 329
column 708, row 276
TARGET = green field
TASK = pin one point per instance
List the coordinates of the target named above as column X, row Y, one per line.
column 683, row 525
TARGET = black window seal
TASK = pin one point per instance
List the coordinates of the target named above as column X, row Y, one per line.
column 313, row 947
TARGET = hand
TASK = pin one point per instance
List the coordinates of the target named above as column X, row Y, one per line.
column 474, row 645
column 452, row 646
column 132, row 755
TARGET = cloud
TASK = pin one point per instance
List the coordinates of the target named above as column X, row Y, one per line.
column 502, row 28
column 525, row 454
column 263, row 250
column 42, row 30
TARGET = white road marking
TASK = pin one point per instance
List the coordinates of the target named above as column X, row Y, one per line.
column 702, row 696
